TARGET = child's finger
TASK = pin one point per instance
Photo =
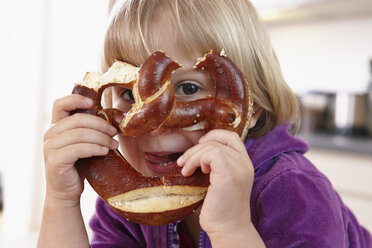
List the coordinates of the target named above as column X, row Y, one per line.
column 82, row 135
column 207, row 156
column 190, row 156
column 191, row 161
column 81, row 121
column 185, row 156
column 63, row 106
column 70, row 154
column 224, row 137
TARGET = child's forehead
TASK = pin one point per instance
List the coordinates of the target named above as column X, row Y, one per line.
column 172, row 47
column 173, row 50
column 168, row 38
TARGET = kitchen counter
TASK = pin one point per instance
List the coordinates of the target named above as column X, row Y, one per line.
column 354, row 144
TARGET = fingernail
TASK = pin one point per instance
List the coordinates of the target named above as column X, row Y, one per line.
column 115, row 144
column 183, row 171
column 88, row 101
column 180, row 160
column 112, row 130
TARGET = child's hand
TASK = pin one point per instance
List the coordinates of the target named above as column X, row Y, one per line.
column 69, row 138
column 226, row 207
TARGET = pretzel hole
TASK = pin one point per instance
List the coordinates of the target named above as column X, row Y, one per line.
column 121, row 97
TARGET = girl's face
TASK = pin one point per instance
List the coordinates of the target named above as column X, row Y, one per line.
column 156, row 153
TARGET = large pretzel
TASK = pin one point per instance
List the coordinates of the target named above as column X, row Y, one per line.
column 161, row 200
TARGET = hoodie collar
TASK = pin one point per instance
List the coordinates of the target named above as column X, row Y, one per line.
column 274, row 143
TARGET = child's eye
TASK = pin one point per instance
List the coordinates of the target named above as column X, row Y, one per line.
column 190, row 89
column 187, row 89
column 127, row 95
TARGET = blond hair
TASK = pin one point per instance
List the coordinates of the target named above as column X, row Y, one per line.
column 198, row 26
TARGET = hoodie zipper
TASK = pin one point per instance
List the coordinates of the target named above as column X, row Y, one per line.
column 173, row 237
column 201, row 238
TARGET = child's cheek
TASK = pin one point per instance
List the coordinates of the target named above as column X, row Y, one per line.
column 193, row 136
column 128, row 147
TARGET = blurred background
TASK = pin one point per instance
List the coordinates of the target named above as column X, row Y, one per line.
column 324, row 47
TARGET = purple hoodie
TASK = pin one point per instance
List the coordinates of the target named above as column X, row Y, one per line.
column 292, row 205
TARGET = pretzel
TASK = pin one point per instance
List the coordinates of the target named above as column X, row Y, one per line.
column 161, row 200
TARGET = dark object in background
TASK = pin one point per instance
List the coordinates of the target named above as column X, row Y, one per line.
column 338, row 113
column 351, row 114
column 343, row 113
column 369, row 108
column 1, row 194
column 317, row 112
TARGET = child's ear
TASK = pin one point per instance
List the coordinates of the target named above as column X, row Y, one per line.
column 257, row 110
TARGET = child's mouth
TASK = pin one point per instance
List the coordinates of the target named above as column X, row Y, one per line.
column 162, row 163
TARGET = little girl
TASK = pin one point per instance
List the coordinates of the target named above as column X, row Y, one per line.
column 261, row 193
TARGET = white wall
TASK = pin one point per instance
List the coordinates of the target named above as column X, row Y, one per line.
column 74, row 38
column 46, row 46
column 20, row 57
column 325, row 54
